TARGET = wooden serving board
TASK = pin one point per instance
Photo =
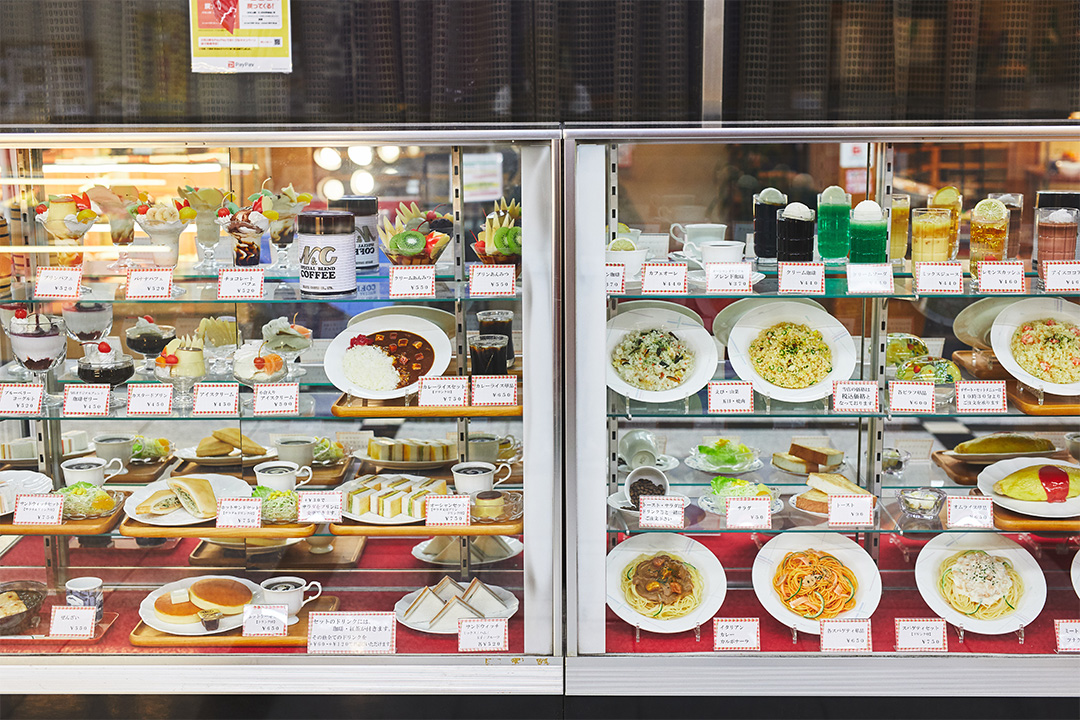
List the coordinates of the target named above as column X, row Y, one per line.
column 977, row 366
column 134, row 528
column 1005, row 519
column 145, row 636
column 320, row 476
column 95, row 526
column 1053, row 405
column 140, row 473
column 41, row 632
column 344, row 556
column 350, row 527
column 349, row 406
column 963, row 473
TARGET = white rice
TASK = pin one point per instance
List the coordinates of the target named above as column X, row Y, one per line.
column 371, row 368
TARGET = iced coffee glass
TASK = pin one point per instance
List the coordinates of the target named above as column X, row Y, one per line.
column 1055, row 235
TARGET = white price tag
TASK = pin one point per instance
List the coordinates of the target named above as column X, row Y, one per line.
column 240, row 284
column 658, row 511
column 729, row 277
column 663, row 279
column 981, row 396
column 1060, row 275
column 921, row 635
column 149, row 284
column 1001, row 276
column 483, row 635
column 1068, row 635
column 239, row 513
column 448, row 510
column 266, row 620
column 444, row 392
column 847, row 635
column 615, row 278
column 319, row 507
column 969, row 511
column 802, row 278
column 870, row 279
column 939, row 277
column 731, row 397
column 492, row 280
column 277, row 399
column 915, row 397
column 412, row 281
column 86, row 400
column 71, row 621
column 736, row 634
column 855, row 396
column 216, row 399
column 493, row 390
column 358, row 633
column 149, row 399
column 61, row 283
column 38, row 510
column 851, row 510
column 20, row 399
column 749, row 512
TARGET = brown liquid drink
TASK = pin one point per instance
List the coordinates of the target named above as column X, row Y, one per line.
column 1055, row 231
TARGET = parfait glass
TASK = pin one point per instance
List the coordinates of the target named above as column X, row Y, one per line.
column 245, row 373
column 282, row 233
column 165, row 235
column 221, row 353
column 206, row 202
column 87, row 323
column 39, row 343
column 66, row 237
column 182, row 385
column 122, row 232
column 8, row 308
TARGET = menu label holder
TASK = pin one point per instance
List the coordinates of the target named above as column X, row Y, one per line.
column 355, row 633
column 1060, row 275
column 38, row 510
column 870, row 279
column 1067, row 633
column 149, row 284
column 749, row 512
column 216, row 399
column 728, row 277
column 483, row 635
column 494, row 390
column 277, row 399
column 319, row 507
column 240, row 283
column 448, row 510
column 21, row 399
column 802, row 278
column 939, row 278
column 921, row 635
column 615, row 278
column 266, row 621
column 909, row 396
column 58, row 283
column 1001, row 276
column 658, row 511
column 970, row 511
column 72, row 622
column 981, row 396
column 86, row 400
column 443, row 392
column 731, row 397
column 736, row 634
column 239, row 513
column 412, row 281
column 856, row 396
column 149, row 399
column 492, row 280
column 664, row 279
column 846, row 635
column 851, row 510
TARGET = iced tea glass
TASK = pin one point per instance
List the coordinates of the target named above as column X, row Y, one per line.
column 989, row 233
column 899, row 212
column 956, row 208
column 1015, row 203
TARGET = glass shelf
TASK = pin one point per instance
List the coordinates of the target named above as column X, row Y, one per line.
column 98, row 270
column 697, row 406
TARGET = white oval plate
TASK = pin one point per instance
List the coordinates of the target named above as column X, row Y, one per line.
column 620, row 502
column 832, row 331
column 190, row 454
column 371, row 518
column 445, row 320
column 691, row 333
column 228, row 622
column 1075, row 572
column 508, row 598
column 726, row 318
column 709, row 504
column 844, row 549
column 1015, row 315
column 223, row 485
column 843, row 466
column 664, row 463
column 684, row 548
column 403, row 464
column 796, row 508
column 694, row 461
column 972, row 324
column 516, row 547
column 991, row 458
column 935, row 552
column 660, row 304
column 1001, row 470
column 335, row 352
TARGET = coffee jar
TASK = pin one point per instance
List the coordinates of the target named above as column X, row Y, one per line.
column 365, row 210
column 326, row 241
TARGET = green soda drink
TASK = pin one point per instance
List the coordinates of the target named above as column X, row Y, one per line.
column 869, row 234
column 834, row 208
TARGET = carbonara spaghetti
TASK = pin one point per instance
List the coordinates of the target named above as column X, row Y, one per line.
column 980, row 585
column 815, row 584
column 662, row 586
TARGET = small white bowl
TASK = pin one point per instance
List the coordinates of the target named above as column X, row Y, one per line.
column 653, row 474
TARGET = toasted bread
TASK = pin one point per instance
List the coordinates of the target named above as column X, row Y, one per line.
column 813, row 501
column 822, row 456
column 212, row 447
column 233, row 437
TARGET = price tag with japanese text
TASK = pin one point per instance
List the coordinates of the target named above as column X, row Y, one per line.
column 615, row 278
column 149, row 399
column 1001, row 276
column 1060, row 275
column 21, row 399
column 352, row 633
column 749, row 512
column 412, row 281
column 319, row 507
column 939, row 278
column 493, row 390
column 736, row 634
column 38, row 510
column 728, row 277
column 921, row 635
column 86, row 400
column 970, row 511
column 444, row 392
column 492, row 280
column 663, row 278
column 851, row 510
column 266, row 620
column 981, row 396
column 914, row 397
column 239, row 513
column 240, row 284
column 659, row 511
column 216, row 399
column 870, row 279
column 846, row 635
column 731, row 397
column 149, row 284
column 855, row 396
column 483, row 635
column 802, row 278
column 72, row 621
column 448, row 510
column 1067, row 633
column 277, row 399
column 58, row 283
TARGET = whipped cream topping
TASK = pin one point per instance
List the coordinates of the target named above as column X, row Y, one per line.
column 867, row 211
column 798, row 211
column 143, row 327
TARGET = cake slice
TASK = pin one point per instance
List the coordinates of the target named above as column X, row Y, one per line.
column 821, row 456
column 425, row 607
column 483, row 599
column 447, row 618
column 447, row 589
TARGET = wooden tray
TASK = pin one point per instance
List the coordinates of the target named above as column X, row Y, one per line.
column 350, row 527
column 977, row 366
column 963, row 473
column 95, row 526
column 1005, row 519
column 144, row 473
column 344, row 556
column 134, row 528
column 1055, row 405
column 41, row 634
column 320, row 476
column 145, row 636
column 32, row 463
column 349, row 406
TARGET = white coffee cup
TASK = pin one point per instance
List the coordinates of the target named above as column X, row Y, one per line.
column 291, row 597
column 632, row 259
column 281, row 475
column 721, row 251
column 89, row 469
column 473, row 477
column 692, row 235
column 638, row 449
column 485, row 447
column 299, row 449
column 632, row 233
column 114, row 445
column 656, row 244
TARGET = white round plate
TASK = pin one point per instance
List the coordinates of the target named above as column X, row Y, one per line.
column 709, row 504
column 248, row 547
column 33, row 463
column 373, row 519
column 695, row 461
column 1015, row 315
column 843, row 466
column 335, row 352
column 223, row 485
column 694, row 335
column 445, row 320
column 620, row 502
column 403, row 464
column 26, row 482
column 508, row 598
column 664, row 463
column 725, row 319
column 228, row 622
column 516, row 547
column 941, row 547
column 991, row 458
column 684, row 548
column 834, row 334
column 662, row 305
column 1001, row 470
column 972, row 325
column 191, row 454
column 843, row 549
column 796, row 508
column 1075, row 572
column 698, row 277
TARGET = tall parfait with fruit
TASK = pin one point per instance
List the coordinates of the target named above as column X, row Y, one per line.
column 287, row 204
column 66, row 218
column 114, row 202
column 205, row 202
column 164, row 223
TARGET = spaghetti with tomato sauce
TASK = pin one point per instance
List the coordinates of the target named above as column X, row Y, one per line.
column 815, row 584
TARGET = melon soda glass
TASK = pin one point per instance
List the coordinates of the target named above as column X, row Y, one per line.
column 833, row 211
column 989, row 233
column 869, row 234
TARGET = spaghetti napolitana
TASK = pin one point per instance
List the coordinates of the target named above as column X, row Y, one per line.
column 980, row 585
column 815, row 584
column 662, row 586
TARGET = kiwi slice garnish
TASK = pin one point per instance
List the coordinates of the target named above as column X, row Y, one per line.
column 500, row 240
column 409, row 242
column 513, row 239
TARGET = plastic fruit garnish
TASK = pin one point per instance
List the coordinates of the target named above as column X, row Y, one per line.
column 172, row 360
column 271, row 214
column 41, row 208
column 86, row 216
column 104, row 347
column 223, row 212
column 259, row 362
column 148, row 319
column 946, row 196
column 82, row 201
column 142, row 209
column 304, row 197
column 21, row 313
column 187, row 213
column 622, row 244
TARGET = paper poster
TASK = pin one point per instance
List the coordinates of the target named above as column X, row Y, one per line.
column 240, row 36
column 482, row 176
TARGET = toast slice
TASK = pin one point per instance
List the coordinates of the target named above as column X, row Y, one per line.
column 822, row 456
column 813, row 501
column 212, row 447
column 787, row 461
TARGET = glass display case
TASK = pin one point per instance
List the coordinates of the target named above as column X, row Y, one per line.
column 759, row 503
column 291, row 395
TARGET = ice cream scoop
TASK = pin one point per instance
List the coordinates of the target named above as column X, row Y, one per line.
column 772, row 196
column 834, row 195
column 798, row 211
column 867, row 211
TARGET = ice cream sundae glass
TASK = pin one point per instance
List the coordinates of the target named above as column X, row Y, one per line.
column 148, row 339
column 114, row 202
column 206, row 202
column 247, row 226
column 66, row 219
column 181, row 363
column 288, row 340
column 288, row 204
column 164, row 223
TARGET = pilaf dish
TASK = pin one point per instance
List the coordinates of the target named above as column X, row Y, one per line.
column 1048, row 349
column 791, row 355
column 652, row 359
